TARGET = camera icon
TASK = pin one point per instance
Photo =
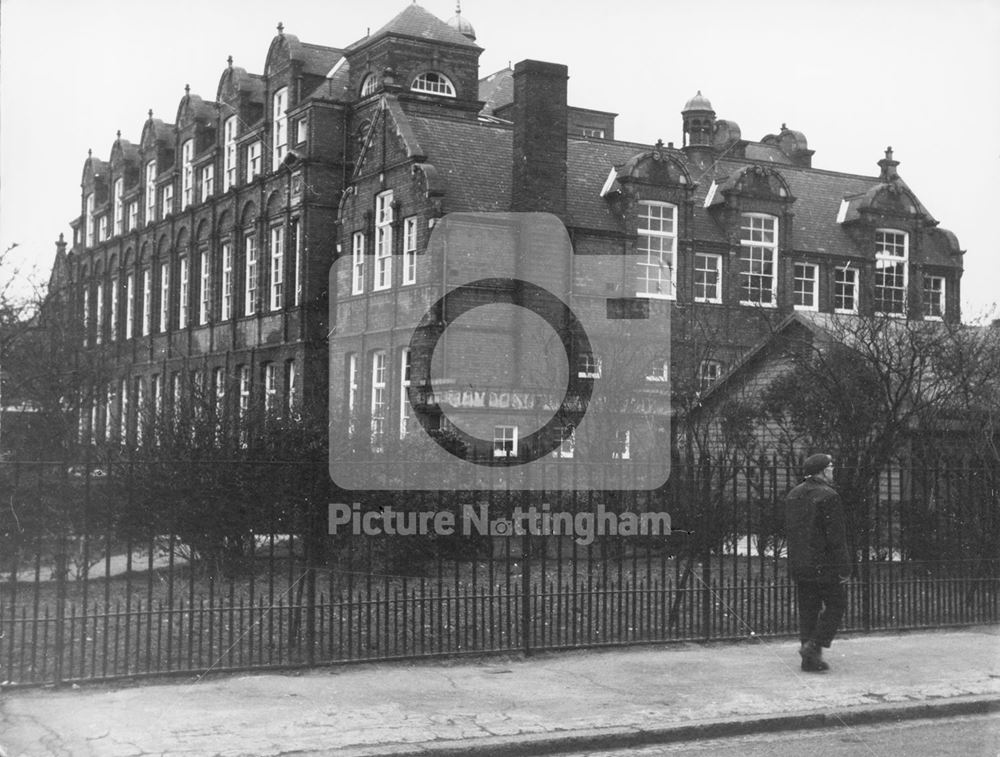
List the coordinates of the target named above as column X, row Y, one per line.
column 507, row 360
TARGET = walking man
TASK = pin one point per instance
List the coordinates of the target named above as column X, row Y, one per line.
column 817, row 558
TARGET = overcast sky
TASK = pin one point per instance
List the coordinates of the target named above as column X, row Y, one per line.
column 854, row 76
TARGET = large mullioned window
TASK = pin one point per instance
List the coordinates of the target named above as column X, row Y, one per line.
column 657, row 250
column 891, row 255
column 758, row 259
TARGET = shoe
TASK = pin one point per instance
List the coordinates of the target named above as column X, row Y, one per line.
column 812, row 657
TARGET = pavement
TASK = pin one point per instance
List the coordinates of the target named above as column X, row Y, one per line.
column 544, row 704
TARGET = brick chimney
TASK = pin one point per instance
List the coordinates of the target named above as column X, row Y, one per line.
column 540, row 117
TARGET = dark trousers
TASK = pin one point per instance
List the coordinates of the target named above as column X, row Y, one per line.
column 821, row 608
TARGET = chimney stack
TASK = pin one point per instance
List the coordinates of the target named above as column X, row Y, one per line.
column 540, row 122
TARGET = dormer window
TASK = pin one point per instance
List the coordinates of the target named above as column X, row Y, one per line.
column 758, row 259
column 368, row 85
column 657, row 228
column 433, row 83
column 891, row 254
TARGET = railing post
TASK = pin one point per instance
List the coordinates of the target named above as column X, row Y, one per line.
column 526, row 591
column 60, row 637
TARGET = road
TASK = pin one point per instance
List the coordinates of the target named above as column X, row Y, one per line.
column 970, row 736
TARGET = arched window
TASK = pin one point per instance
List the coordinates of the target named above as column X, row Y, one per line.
column 368, row 85
column 433, row 83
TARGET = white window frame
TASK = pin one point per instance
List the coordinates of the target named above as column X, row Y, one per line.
column 114, row 310
column 133, row 216
column 291, row 390
column 845, row 278
column 164, row 296
column 358, row 263
column 140, row 403
column 621, row 444
column 205, row 287
column 226, row 306
column 433, row 83
column 123, row 412
column 150, row 192
column 657, row 247
column 301, row 130
column 277, row 267
column 183, row 291
column 86, row 315
column 167, row 200
column 409, row 262
column 405, row 366
column 147, row 301
column 88, row 219
column 250, row 274
column 938, row 293
column 383, row 242
column 352, row 391
column 254, row 161
column 230, row 165
column 187, row 173
column 380, row 369
column 505, row 441
column 892, row 251
column 156, row 397
column 659, row 371
column 109, row 404
column 99, row 313
column 270, row 387
column 296, row 232
column 119, row 207
column 207, row 182
column 102, row 228
column 130, row 305
column 369, row 85
column 759, row 259
column 219, row 381
column 707, row 264
column 588, row 365
column 279, row 131
column 805, row 286
column 567, row 447
column 709, row 371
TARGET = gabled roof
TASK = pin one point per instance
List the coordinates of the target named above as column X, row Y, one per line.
column 317, row 60
column 497, row 90
column 417, row 23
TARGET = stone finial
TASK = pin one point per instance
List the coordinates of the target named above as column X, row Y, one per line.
column 888, row 166
column 281, row 29
column 90, row 153
column 150, row 114
column 119, row 135
column 187, row 90
column 229, row 61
